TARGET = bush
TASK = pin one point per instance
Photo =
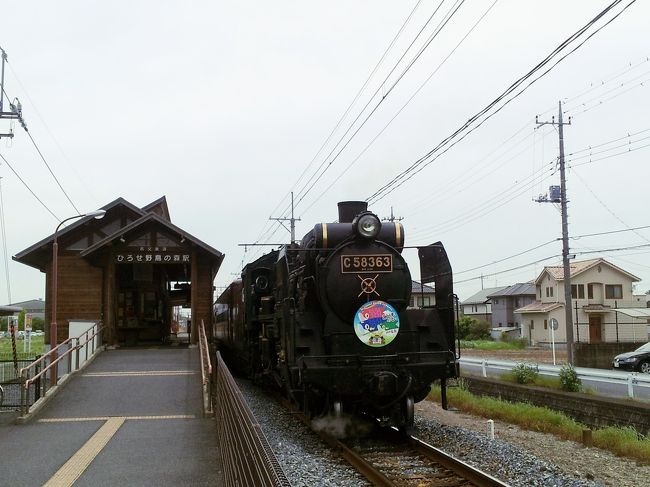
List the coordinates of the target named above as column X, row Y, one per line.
column 479, row 330
column 38, row 323
column 524, row 373
column 463, row 326
column 569, row 380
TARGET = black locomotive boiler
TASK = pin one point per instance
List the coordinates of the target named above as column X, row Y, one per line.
column 329, row 320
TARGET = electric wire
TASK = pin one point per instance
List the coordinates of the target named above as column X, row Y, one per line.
column 29, row 189
column 47, row 165
column 4, row 244
column 346, row 112
column 47, row 128
column 424, row 161
column 325, row 165
column 401, row 109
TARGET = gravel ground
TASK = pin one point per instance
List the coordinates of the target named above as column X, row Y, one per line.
column 519, row 457
column 306, row 461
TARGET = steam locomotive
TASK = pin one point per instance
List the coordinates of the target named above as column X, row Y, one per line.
column 329, row 320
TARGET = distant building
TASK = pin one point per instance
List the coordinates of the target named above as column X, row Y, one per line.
column 34, row 306
column 422, row 295
column 507, row 300
column 603, row 306
column 479, row 305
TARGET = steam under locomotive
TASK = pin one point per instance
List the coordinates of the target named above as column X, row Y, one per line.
column 329, row 320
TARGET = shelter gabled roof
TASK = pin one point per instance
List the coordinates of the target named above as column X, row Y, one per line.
column 576, row 268
column 152, row 217
column 159, row 207
column 483, row 296
column 30, row 256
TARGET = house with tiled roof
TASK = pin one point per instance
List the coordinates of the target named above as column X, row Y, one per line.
column 599, row 291
column 479, row 305
column 507, row 300
column 422, row 295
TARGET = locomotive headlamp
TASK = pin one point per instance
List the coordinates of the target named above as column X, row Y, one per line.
column 367, row 225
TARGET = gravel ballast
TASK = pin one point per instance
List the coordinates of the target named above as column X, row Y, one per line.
column 308, row 462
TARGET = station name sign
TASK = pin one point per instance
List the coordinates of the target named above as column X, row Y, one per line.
column 151, row 258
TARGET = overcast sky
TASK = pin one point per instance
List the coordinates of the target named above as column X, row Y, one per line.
column 221, row 106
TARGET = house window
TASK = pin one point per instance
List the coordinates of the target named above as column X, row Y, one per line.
column 577, row 291
column 549, row 292
column 546, row 324
column 540, row 292
column 547, row 295
column 516, row 302
column 590, row 291
column 532, row 324
column 614, row 291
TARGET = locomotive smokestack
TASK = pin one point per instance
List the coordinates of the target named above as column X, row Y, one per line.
column 349, row 209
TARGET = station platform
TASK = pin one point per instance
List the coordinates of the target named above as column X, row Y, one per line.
column 131, row 417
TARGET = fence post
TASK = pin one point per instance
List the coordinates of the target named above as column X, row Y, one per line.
column 23, row 394
column 616, row 317
column 86, row 345
column 484, row 367
column 630, row 385
column 76, row 353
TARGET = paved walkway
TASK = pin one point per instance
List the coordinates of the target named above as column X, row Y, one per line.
column 132, row 417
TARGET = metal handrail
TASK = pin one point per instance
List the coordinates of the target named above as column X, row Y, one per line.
column 53, row 363
column 595, row 375
column 54, row 352
column 206, row 369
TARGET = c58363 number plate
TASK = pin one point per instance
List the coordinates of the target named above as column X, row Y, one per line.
column 358, row 264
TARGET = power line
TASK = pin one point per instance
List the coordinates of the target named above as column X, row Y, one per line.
column 51, row 172
column 401, row 109
column 326, row 165
column 4, row 244
column 424, row 161
column 20, row 118
column 29, row 189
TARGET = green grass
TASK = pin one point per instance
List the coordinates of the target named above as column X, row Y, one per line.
column 5, row 346
column 490, row 345
column 623, row 442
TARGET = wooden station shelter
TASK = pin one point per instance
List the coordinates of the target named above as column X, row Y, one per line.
column 128, row 269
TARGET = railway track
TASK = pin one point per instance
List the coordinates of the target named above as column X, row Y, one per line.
column 388, row 458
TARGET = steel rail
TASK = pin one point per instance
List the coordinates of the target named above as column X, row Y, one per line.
column 465, row 470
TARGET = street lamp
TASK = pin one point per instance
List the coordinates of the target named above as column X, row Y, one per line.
column 98, row 214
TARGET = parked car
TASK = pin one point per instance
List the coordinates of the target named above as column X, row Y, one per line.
column 638, row 360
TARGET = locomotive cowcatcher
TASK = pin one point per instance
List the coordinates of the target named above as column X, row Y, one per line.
column 329, row 320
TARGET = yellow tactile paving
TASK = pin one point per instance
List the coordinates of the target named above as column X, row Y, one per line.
column 78, row 463
column 144, row 373
column 106, row 418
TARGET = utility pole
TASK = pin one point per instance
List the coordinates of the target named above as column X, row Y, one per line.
column 292, row 221
column 392, row 217
column 16, row 107
column 565, row 232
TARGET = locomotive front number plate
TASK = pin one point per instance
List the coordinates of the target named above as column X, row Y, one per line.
column 355, row 264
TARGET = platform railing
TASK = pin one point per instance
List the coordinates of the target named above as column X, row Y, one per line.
column 246, row 456
column 206, row 371
column 37, row 371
